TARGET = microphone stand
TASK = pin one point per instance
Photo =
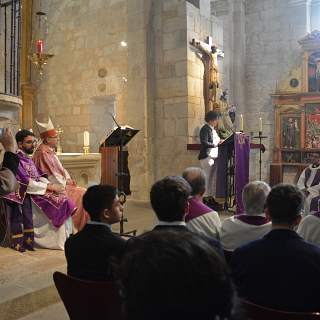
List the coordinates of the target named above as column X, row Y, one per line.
column 122, row 195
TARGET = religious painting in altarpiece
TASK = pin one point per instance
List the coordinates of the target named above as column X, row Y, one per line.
column 290, row 134
column 297, row 112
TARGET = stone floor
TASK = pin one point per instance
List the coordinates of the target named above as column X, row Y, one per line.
column 27, row 290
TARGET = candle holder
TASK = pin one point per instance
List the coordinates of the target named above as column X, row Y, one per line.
column 260, row 137
column 59, row 131
column 86, row 149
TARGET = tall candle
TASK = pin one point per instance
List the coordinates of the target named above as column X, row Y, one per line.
column 86, row 138
column 260, row 125
column 241, row 122
column 39, row 42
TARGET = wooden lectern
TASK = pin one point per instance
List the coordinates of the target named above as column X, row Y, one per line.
column 110, row 157
column 111, row 149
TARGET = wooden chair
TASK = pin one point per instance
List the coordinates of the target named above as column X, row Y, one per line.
column 228, row 256
column 255, row 312
column 4, row 221
column 88, row 299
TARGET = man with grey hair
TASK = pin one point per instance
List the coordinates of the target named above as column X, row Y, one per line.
column 200, row 219
column 251, row 225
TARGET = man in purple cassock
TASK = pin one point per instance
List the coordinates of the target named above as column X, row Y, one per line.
column 309, row 184
column 46, row 211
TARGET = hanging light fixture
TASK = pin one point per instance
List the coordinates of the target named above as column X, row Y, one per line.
column 39, row 58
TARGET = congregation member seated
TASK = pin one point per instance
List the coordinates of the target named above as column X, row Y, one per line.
column 88, row 251
column 309, row 228
column 309, row 184
column 170, row 274
column 201, row 218
column 45, row 157
column 169, row 200
column 251, row 225
column 10, row 163
column 281, row 270
column 46, row 211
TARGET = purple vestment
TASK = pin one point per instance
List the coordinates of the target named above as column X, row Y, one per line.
column 56, row 207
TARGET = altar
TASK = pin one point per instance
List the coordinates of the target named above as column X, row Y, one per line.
column 84, row 168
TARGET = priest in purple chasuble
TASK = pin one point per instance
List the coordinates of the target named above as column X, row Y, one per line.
column 46, row 211
column 45, row 157
column 309, row 183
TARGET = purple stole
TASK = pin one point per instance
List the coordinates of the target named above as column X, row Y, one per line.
column 253, row 220
column 196, row 209
column 316, row 178
column 242, row 151
column 56, row 207
column 317, row 214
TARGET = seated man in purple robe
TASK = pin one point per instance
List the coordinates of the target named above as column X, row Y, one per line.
column 253, row 224
column 201, row 218
column 309, row 184
column 46, row 211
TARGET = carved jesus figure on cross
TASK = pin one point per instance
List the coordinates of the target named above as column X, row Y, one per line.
column 212, row 78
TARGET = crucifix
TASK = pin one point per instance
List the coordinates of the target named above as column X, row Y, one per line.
column 211, row 70
column 59, row 130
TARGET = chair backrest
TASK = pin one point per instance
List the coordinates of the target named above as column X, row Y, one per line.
column 88, row 299
column 256, row 312
column 228, row 256
column 4, row 221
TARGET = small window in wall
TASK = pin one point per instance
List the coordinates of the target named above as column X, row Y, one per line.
column 195, row 3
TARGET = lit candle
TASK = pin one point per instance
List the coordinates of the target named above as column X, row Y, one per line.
column 39, row 42
column 260, row 125
column 86, row 138
column 241, row 122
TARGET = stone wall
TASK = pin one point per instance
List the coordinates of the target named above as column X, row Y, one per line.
column 85, row 80
column 155, row 84
column 272, row 29
column 165, row 86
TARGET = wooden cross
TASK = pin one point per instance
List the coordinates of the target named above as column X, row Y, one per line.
column 211, row 71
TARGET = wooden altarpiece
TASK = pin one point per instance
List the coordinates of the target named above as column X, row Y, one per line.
column 297, row 112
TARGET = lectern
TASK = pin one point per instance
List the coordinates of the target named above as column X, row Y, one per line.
column 118, row 138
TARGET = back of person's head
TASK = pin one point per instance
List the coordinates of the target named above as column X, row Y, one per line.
column 284, row 203
column 254, row 197
column 169, row 198
column 211, row 115
column 97, row 198
column 22, row 134
column 196, row 178
column 174, row 275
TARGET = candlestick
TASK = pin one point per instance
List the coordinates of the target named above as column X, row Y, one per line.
column 86, row 138
column 260, row 124
column 86, row 150
column 39, row 42
column 241, row 123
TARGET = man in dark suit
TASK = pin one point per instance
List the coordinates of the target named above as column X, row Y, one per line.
column 169, row 200
column 280, row 271
column 88, row 251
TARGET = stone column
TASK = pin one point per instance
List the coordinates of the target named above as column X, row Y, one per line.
column 237, row 55
column 140, row 95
